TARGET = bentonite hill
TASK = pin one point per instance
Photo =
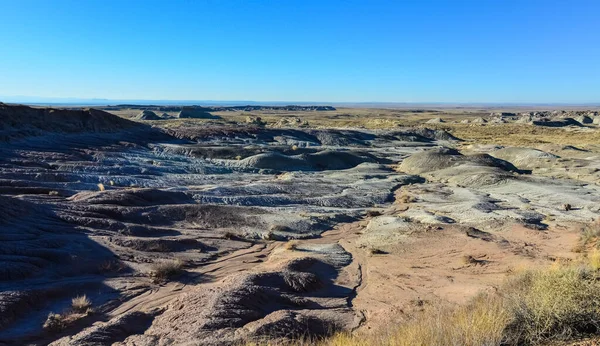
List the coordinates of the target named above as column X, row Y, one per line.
column 220, row 226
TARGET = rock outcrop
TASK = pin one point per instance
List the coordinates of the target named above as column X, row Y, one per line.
column 147, row 115
column 196, row 112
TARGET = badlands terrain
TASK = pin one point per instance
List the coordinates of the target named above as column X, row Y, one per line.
column 153, row 225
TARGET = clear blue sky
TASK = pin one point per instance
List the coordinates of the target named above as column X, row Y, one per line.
column 303, row 50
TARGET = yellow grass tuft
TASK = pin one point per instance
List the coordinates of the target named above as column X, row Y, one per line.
column 81, row 304
column 594, row 259
column 165, row 270
column 291, row 245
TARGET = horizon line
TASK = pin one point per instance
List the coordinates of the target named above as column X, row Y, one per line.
column 43, row 100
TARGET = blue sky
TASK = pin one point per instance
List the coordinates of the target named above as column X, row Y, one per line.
column 354, row 51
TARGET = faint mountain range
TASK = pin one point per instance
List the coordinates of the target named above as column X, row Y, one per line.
column 74, row 101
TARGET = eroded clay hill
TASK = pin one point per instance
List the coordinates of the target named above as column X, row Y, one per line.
column 217, row 234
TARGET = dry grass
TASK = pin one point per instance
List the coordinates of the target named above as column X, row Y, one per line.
column 81, row 307
column 55, row 323
column 406, row 198
column 291, row 245
column 519, row 134
column 101, row 187
column 590, row 234
column 481, row 322
column 166, row 270
column 112, row 266
column 535, row 307
column 594, row 259
column 81, row 304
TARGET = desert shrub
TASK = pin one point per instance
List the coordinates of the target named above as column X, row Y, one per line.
column 470, row 260
column 54, row 323
column 373, row 213
column 230, row 236
column 291, row 245
column 165, row 270
column 406, row 198
column 269, row 235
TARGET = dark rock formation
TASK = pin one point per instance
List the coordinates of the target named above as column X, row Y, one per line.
column 196, row 112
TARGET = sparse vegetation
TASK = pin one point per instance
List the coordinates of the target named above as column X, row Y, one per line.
column 81, row 304
column 101, row 187
column 373, row 213
column 291, row 245
column 406, row 198
column 590, row 234
column 534, row 307
column 470, row 260
column 111, row 266
column 567, row 207
column 54, row 323
column 165, row 270
column 269, row 235
column 594, row 259
column 376, row 251
column 230, row 236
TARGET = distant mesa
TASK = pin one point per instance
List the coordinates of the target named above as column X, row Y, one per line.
column 248, row 108
column 292, row 108
column 148, row 115
column 196, row 112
